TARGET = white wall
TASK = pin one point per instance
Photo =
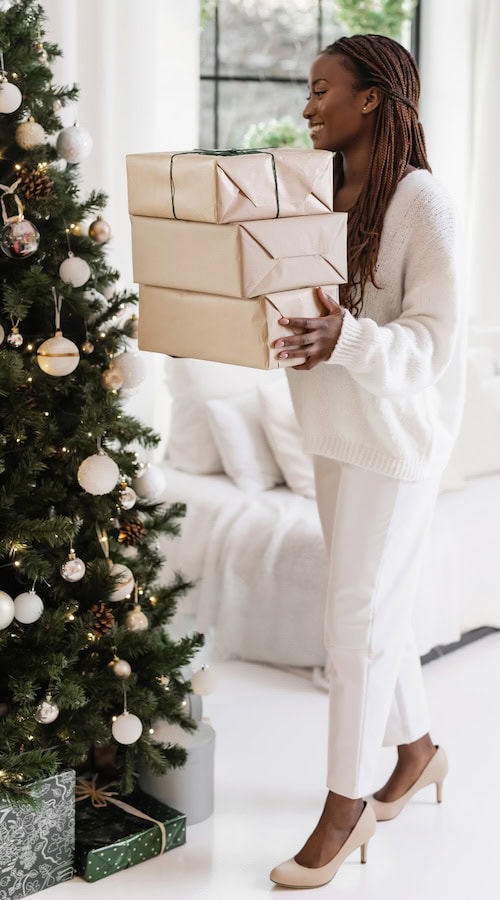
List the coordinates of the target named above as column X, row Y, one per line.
column 137, row 65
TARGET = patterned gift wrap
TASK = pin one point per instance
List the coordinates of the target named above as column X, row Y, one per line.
column 110, row 838
column 37, row 844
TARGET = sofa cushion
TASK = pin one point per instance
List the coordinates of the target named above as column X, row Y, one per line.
column 283, row 433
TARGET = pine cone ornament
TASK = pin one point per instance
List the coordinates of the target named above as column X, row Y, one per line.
column 104, row 619
column 36, row 184
column 131, row 533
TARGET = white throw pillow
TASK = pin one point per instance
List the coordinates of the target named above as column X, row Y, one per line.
column 477, row 450
column 191, row 446
column 241, row 442
column 283, row 433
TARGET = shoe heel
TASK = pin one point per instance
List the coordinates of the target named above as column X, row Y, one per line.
column 439, row 791
column 364, row 851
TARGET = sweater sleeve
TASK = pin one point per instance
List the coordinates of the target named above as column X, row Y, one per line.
column 411, row 352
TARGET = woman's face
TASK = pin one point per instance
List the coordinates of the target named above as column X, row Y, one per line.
column 335, row 109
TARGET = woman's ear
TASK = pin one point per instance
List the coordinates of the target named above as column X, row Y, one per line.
column 371, row 100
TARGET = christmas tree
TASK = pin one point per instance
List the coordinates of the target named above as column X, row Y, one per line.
column 86, row 665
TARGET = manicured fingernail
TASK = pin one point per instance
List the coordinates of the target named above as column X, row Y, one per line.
column 280, row 343
column 283, row 356
column 284, row 321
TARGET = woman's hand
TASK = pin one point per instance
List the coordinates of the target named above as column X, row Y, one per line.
column 318, row 337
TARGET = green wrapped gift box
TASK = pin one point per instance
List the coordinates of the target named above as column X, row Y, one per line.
column 37, row 844
column 110, row 837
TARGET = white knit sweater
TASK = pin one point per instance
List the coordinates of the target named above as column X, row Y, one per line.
column 390, row 397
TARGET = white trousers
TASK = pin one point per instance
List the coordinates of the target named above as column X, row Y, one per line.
column 375, row 530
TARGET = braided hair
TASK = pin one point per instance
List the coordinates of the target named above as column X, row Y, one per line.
column 378, row 61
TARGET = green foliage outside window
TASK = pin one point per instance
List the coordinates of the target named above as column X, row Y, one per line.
column 277, row 133
column 374, row 16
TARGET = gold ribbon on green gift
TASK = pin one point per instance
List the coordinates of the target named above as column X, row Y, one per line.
column 86, row 789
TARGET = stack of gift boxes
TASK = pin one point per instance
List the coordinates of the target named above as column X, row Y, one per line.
column 225, row 243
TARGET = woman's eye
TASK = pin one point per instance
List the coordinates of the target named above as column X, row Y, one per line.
column 319, row 93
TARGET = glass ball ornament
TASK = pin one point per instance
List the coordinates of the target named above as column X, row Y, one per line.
column 2, row 334
column 127, row 728
column 124, row 582
column 112, row 379
column 58, row 355
column 74, row 270
column 121, row 668
column 20, row 239
column 46, row 712
column 132, row 369
column 28, row 607
column 74, row 144
column 15, row 338
column 98, row 474
column 7, row 609
column 73, row 569
column 30, row 134
column 10, row 97
column 87, row 347
column 128, row 497
column 149, row 483
column 99, row 230
column 203, row 681
column 136, row 620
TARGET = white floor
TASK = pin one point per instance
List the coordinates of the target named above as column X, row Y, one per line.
column 271, row 730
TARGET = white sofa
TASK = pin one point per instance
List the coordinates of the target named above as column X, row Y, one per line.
column 251, row 539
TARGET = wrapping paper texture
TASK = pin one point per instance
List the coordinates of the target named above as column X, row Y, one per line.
column 222, row 329
column 243, row 259
column 230, row 188
column 109, row 839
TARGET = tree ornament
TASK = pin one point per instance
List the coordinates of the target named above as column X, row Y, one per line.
column 121, row 668
column 2, row 334
column 112, row 379
column 74, row 270
column 28, row 607
column 87, row 347
column 41, row 52
column 127, row 728
column 104, row 620
column 128, row 496
column 134, row 323
column 46, row 711
column 58, row 355
column 19, row 238
column 99, row 230
column 30, row 134
column 7, row 609
column 132, row 369
column 131, row 533
column 74, row 144
column 4, row 709
column 136, row 620
column 36, row 184
column 10, row 95
column 98, row 474
column 73, row 569
column 150, row 482
column 124, row 582
column 15, row 338
column 203, row 681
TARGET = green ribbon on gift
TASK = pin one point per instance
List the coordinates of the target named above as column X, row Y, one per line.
column 224, row 153
column 86, row 789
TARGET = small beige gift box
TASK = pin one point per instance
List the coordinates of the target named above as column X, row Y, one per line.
column 230, row 185
column 223, row 329
column 245, row 259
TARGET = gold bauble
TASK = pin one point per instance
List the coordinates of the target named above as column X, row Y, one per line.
column 99, row 230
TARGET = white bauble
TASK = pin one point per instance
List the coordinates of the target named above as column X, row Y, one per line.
column 10, row 97
column 121, row 668
column 30, row 134
column 2, row 334
column 150, row 483
column 46, row 712
column 7, row 609
column 28, row 607
column 58, row 165
column 203, row 681
column 58, row 355
column 98, row 474
column 136, row 620
column 73, row 568
column 74, row 270
column 124, row 584
column 112, row 379
column 132, row 368
column 127, row 728
column 128, row 496
column 74, row 144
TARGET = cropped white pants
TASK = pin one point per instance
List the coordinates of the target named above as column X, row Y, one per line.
column 375, row 530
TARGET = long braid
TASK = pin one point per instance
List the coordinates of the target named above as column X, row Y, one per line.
column 377, row 61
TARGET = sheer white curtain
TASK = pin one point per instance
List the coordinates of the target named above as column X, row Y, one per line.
column 460, row 70
column 137, row 66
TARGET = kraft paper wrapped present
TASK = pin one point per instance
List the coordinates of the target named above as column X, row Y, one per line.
column 222, row 329
column 230, row 185
column 244, row 259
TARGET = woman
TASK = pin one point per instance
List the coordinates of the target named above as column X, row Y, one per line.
column 379, row 400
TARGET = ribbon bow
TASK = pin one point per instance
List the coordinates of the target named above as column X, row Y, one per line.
column 86, row 789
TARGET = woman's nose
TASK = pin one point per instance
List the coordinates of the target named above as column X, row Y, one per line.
column 307, row 111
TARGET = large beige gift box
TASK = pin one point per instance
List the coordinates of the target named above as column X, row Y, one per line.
column 222, row 329
column 244, row 259
column 230, row 186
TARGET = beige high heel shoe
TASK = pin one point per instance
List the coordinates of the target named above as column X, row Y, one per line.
column 434, row 773
column 291, row 874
